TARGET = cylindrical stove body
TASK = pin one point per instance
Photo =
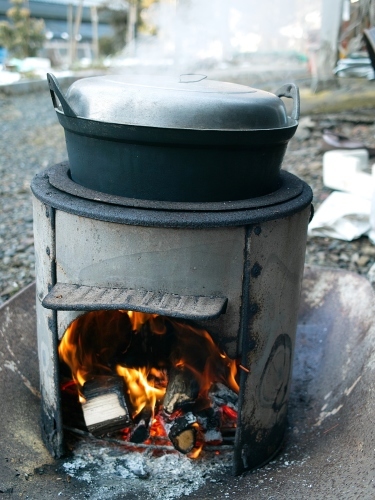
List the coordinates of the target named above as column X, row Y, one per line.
column 252, row 258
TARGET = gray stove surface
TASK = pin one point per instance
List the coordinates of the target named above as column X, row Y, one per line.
column 330, row 443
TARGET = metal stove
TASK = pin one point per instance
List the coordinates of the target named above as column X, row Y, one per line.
column 234, row 268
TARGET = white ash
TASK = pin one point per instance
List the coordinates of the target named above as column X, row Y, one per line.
column 190, row 418
column 110, row 471
column 213, row 435
column 221, row 395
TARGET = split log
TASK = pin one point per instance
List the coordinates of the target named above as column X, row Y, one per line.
column 105, row 409
column 183, row 432
column 182, row 390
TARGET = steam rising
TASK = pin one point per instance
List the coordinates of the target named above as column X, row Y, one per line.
column 214, row 35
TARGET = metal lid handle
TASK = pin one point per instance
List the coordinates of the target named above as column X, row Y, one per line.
column 291, row 90
column 56, row 92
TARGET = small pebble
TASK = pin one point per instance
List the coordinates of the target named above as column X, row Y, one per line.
column 363, row 260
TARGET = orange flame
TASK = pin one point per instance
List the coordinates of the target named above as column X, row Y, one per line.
column 141, row 394
column 142, row 348
column 196, row 350
column 92, row 342
column 195, row 452
column 138, row 319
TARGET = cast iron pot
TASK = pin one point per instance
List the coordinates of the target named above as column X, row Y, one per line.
column 184, row 140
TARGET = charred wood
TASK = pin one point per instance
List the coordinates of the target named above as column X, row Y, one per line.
column 140, row 433
column 183, row 432
column 182, row 390
column 209, row 418
column 141, row 430
column 105, row 409
column 210, row 421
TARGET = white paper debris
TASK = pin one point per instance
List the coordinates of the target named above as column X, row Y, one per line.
column 343, row 216
column 371, row 233
column 344, row 170
column 371, row 272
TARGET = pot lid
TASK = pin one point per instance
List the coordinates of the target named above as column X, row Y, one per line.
column 185, row 102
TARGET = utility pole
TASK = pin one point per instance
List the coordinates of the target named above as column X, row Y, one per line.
column 327, row 51
column 95, row 37
column 77, row 26
column 71, row 33
column 131, row 29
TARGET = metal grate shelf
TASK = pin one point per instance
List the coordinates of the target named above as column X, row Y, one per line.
column 70, row 297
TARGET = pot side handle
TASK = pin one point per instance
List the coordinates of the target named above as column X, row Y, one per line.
column 55, row 90
column 291, row 90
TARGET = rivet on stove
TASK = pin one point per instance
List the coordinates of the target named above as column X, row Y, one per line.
column 258, row 230
column 251, row 344
column 256, row 270
column 253, row 309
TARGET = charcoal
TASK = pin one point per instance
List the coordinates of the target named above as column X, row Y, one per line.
column 221, row 395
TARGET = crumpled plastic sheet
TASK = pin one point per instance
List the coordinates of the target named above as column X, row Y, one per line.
column 343, row 216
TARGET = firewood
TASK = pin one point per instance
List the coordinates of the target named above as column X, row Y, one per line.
column 105, row 409
column 141, row 431
column 182, row 390
column 183, row 432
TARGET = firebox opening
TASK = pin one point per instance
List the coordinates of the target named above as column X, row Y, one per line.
column 150, row 380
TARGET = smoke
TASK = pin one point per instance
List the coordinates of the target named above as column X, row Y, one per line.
column 195, row 35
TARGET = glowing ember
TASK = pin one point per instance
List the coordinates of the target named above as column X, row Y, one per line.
column 158, row 358
column 195, row 452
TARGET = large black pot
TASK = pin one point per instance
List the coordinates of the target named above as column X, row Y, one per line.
column 221, row 144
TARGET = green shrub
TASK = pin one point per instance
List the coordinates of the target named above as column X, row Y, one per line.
column 22, row 35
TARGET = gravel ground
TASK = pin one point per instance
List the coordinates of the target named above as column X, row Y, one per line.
column 31, row 139
column 304, row 158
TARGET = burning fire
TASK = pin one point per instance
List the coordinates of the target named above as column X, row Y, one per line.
column 168, row 369
column 142, row 394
